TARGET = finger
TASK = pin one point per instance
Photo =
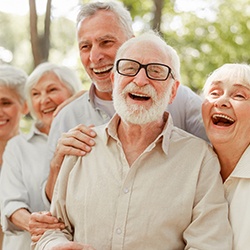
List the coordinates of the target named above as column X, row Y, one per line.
column 77, row 140
column 87, row 130
column 43, row 217
column 40, row 229
column 35, row 238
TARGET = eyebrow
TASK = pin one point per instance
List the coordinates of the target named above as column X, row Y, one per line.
column 102, row 38
column 242, row 86
column 216, row 83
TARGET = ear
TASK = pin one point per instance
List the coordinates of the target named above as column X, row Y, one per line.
column 112, row 77
column 174, row 91
column 25, row 109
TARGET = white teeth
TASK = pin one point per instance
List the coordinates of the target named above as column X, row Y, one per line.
column 3, row 122
column 223, row 116
column 49, row 110
column 140, row 95
column 103, row 69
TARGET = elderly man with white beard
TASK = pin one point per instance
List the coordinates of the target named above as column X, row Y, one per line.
column 146, row 184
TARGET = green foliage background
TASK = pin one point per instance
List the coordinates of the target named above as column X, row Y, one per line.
column 203, row 43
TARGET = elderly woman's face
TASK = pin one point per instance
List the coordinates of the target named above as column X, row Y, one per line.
column 46, row 95
column 226, row 112
column 11, row 111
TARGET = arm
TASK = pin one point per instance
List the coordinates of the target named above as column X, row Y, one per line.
column 20, row 218
column 78, row 141
column 210, row 222
column 52, row 238
column 14, row 195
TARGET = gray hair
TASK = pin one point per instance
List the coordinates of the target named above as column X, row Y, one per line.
column 156, row 38
column 229, row 73
column 13, row 78
column 117, row 8
column 67, row 76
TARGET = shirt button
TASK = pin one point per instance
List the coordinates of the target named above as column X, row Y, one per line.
column 118, row 231
column 125, row 190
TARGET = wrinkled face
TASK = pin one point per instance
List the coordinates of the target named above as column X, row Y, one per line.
column 99, row 37
column 138, row 99
column 46, row 95
column 226, row 113
column 10, row 113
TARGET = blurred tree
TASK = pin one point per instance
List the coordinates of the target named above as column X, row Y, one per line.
column 40, row 41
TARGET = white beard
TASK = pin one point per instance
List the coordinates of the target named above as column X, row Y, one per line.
column 139, row 114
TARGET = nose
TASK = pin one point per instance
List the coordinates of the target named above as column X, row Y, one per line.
column 222, row 102
column 141, row 78
column 95, row 54
column 44, row 98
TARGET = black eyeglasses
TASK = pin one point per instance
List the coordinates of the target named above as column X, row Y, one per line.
column 154, row 71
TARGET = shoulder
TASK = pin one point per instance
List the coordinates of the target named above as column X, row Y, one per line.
column 185, row 94
column 192, row 142
column 75, row 106
column 71, row 115
column 17, row 140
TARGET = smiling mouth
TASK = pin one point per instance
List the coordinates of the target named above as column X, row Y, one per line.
column 3, row 122
column 103, row 70
column 222, row 120
column 139, row 97
column 49, row 110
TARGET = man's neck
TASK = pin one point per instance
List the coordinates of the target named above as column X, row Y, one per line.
column 136, row 138
column 107, row 96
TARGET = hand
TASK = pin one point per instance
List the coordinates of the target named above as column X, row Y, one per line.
column 72, row 246
column 77, row 141
column 67, row 101
column 42, row 221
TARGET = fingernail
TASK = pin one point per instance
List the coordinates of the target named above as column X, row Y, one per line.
column 92, row 133
column 92, row 142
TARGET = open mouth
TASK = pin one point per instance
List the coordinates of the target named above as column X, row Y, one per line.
column 3, row 122
column 139, row 97
column 104, row 70
column 49, row 110
column 222, row 120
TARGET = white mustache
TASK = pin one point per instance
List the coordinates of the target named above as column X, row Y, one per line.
column 147, row 90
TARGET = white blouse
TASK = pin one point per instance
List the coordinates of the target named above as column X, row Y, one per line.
column 23, row 172
column 237, row 191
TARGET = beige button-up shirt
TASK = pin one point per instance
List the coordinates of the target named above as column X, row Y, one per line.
column 170, row 198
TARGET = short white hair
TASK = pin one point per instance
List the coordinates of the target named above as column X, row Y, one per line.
column 229, row 73
column 13, row 78
column 67, row 76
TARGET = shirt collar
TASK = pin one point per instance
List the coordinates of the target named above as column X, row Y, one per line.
column 242, row 169
column 111, row 131
column 33, row 132
column 92, row 95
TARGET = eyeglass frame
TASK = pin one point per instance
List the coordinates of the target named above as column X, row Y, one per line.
column 145, row 68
